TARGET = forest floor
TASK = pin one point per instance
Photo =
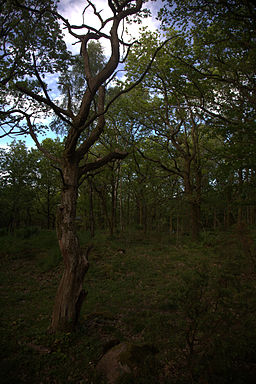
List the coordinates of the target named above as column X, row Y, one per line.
column 194, row 301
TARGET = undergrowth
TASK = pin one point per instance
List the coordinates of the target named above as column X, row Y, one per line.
column 195, row 302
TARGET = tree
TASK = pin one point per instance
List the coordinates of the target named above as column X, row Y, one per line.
column 223, row 33
column 17, row 166
column 48, row 184
column 170, row 117
column 31, row 98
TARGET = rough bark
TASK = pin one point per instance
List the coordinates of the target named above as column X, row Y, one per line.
column 70, row 294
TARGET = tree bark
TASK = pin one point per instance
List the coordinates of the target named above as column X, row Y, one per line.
column 193, row 203
column 48, row 208
column 70, row 294
column 92, row 220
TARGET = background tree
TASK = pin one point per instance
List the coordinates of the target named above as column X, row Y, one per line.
column 223, row 37
column 17, row 166
column 171, row 118
column 47, row 183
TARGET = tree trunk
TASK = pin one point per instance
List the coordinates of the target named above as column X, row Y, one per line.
column 113, row 209
column 195, row 220
column 103, row 199
column 48, row 208
column 140, row 213
column 121, row 206
column 170, row 225
column 177, row 228
column 70, row 294
column 114, row 194
column 92, row 221
column 193, row 201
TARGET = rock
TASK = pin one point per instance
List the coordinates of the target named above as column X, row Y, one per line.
column 122, row 359
column 109, row 344
column 121, row 251
column 110, row 365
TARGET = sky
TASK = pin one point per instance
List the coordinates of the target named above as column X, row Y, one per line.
column 73, row 10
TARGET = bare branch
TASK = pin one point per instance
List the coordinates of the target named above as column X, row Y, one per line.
column 160, row 164
column 100, row 162
column 59, row 111
column 128, row 89
column 39, row 146
column 112, row 7
column 95, row 12
column 43, row 100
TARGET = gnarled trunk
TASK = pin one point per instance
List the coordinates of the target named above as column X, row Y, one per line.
column 70, row 294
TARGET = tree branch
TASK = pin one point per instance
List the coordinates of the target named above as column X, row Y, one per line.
column 160, row 164
column 39, row 146
column 59, row 111
column 95, row 83
column 95, row 134
column 116, row 154
column 126, row 90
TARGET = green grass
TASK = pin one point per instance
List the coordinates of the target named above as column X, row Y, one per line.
column 195, row 302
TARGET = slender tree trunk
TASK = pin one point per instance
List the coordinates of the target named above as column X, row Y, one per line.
column 227, row 217
column 128, row 207
column 195, row 208
column 103, row 199
column 177, row 228
column 193, row 198
column 240, row 196
column 121, row 206
column 239, row 215
column 170, row 224
column 48, row 208
column 114, row 195
column 214, row 219
column 113, row 209
column 70, row 294
column 92, row 221
column 28, row 219
column 145, row 217
column 140, row 214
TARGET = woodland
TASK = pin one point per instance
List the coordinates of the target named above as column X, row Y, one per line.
column 132, row 218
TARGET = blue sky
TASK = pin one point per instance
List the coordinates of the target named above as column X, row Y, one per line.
column 72, row 10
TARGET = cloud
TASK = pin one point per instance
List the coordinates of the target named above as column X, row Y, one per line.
column 73, row 11
column 3, row 144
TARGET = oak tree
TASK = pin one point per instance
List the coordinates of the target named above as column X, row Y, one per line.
column 32, row 48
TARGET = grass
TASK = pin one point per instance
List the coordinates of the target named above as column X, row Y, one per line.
column 195, row 302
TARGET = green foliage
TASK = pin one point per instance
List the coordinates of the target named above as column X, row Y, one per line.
column 30, row 28
column 47, row 183
column 17, row 192
column 30, row 189
column 72, row 82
